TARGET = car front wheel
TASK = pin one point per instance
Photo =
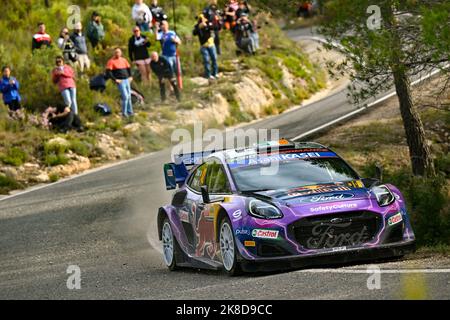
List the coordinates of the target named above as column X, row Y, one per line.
column 228, row 248
column 170, row 245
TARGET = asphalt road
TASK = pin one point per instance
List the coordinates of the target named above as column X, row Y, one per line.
column 102, row 222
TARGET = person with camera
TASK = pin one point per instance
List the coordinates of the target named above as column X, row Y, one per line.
column 9, row 87
column 214, row 15
column 142, row 15
column 67, row 46
column 95, row 31
column 205, row 32
column 158, row 14
column 64, row 77
column 245, row 39
column 162, row 69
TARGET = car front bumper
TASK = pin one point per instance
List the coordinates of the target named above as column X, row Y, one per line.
column 330, row 258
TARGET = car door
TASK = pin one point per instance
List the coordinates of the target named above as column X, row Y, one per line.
column 206, row 214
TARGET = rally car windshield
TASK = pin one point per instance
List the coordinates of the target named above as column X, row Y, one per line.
column 291, row 174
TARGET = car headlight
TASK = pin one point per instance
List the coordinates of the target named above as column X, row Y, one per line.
column 384, row 195
column 263, row 210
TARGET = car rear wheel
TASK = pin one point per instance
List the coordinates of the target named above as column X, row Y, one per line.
column 228, row 248
column 170, row 245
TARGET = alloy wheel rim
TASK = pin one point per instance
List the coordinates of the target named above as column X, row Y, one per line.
column 227, row 246
column 167, row 238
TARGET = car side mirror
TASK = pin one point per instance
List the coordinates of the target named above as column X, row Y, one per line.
column 205, row 194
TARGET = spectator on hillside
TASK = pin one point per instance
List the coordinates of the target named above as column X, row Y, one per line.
column 214, row 16
column 41, row 38
column 244, row 38
column 205, row 32
column 95, row 30
column 230, row 14
column 243, row 8
column 67, row 46
column 162, row 69
column 138, row 51
column 118, row 69
column 158, row 14
column 79, row 41
column 64, row 77
column 61, row 119
column 142, row 15
column 169, row 41
column 9, row 87
column 305, row 9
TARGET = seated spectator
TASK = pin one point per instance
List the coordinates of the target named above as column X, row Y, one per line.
column 142, row 15
column 245, row 39
column 9, row 87
column 64, row 76
column 95, row 30
column 41, row 38
column 163, row 70
column 67, row 46
column 79, row 41
column 138, row 51
column 119, row 70
column 205, row 32
column 62, row 119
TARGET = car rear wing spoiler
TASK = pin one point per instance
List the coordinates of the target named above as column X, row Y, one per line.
column 176, row 173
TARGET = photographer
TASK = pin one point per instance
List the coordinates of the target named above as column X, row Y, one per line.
column 162, row 69
column 214, row 16
column 245, row 39
column 67, row 46
column 205, row 32
column 158, row 14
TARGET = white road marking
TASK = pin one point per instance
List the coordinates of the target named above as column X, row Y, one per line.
column 365, row 271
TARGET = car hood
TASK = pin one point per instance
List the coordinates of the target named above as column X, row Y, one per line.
column 318, row 194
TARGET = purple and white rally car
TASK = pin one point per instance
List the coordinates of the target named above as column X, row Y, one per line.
column 276, row 206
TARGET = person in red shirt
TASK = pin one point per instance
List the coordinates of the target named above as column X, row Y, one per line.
column 41, row 38
column 118, row 69
column 64, row 76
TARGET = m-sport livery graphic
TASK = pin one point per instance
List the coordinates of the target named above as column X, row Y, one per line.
column 275, row 206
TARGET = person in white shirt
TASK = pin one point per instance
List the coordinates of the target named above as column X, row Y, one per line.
column 142, row 15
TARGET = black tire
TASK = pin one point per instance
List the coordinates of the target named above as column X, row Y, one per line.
column 176, row 253
column 233, row 269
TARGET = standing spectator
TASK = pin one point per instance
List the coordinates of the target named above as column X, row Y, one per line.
column 169, row 41
column 230, row 14
column 213, row 15
column 118, row 69
column 243, row 8
column 142, row 15
column 162, row 69
column 79, row 41
column 138, row 52
column 158, row 14
column 67, row 46
column 95, row 30
column 9, row 87
column 205, row 32
column 41, row 38
column 244, row 39
column 64, row 76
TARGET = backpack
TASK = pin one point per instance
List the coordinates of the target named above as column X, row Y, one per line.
column 98, row 83
column 103, row 109
column 137, row 98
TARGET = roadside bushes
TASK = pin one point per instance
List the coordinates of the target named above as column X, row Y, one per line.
column 427, row 203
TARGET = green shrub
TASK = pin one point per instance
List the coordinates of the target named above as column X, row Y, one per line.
column 15, row 157
column 8, row 183
column 52, row 159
